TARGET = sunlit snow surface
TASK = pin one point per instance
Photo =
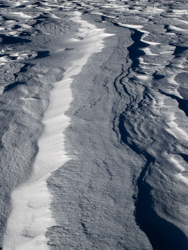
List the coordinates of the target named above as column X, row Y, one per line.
column 94, row 134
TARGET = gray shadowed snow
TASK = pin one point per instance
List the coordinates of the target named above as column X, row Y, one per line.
column 125, row 186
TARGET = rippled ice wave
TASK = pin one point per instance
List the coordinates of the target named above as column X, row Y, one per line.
column 126, row 185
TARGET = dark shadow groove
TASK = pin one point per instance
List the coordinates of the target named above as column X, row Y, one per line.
column 13, row 40
column 183, row 104
column 162, row 234
column 134, row 51
column 25, row 67
column 119, row 79
column 25, row 33
column 13, row 85
column 4, row 6
column 157, row 76
column 179, row 49
column 185, row 157
column 41, row 54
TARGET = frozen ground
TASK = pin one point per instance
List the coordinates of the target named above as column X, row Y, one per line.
column 94, row 135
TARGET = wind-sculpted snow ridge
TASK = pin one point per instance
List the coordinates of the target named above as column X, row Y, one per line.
column 102, row 165
column 31, row 214
column 27, row 76
column 153, row 123
column 142, row 165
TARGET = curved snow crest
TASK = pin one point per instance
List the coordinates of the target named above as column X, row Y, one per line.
column 31, row 214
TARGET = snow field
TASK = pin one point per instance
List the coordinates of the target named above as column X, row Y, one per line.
column 31, row 214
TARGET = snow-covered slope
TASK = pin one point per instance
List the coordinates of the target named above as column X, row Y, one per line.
column 94, row 136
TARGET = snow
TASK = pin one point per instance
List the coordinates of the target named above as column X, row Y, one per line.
column 31, row 214
column 94, row 133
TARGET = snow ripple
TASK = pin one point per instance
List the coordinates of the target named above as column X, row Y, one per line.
column 129, row 131
column 31, row 214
